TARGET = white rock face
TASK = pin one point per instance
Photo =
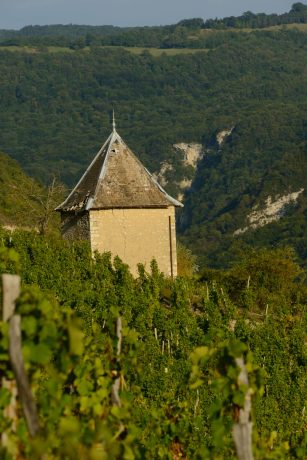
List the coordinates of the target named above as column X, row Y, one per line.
column 160, row 176
column 185, row 183
column 272, row 211
column 192, row 153
column 222, row 135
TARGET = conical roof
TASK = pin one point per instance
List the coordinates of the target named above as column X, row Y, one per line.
column 116, row 179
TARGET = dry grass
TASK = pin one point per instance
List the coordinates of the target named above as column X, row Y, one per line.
column 156, row 52
column 26, row 49
column 59, row 49
column 300, row 27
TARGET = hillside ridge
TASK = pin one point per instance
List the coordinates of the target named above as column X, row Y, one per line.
column 186, row 33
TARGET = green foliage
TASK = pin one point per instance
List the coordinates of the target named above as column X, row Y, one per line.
column 70, row 350
column 264, row 281
column 186, row 261
column 297, row 14
column 194, row 23
column 218, row 369
column 270, row 291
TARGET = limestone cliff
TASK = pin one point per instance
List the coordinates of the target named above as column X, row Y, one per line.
column 272, row 211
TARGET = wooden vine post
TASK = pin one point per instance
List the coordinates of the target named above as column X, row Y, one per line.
column 116, row 385
column 10, row 293
column 242, row 429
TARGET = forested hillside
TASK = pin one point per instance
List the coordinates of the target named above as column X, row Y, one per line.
column 56, row 105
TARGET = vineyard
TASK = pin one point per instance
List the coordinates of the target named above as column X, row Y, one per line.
column 149, row 368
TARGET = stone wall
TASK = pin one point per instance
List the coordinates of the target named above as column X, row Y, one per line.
column 75, row 226
column 137, row 235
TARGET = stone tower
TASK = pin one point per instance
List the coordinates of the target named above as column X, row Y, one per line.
column 119, row 207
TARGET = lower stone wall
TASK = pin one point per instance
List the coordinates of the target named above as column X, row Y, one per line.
column 137, row 236
column 75, row 226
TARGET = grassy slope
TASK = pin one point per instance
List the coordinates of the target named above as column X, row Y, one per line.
column 134, row 50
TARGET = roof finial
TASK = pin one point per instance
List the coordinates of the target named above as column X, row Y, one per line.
column 113, row 123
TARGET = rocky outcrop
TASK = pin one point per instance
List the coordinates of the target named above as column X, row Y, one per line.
column 160, row 176
column 272, row 211
column 192, row 153
column 222, row 135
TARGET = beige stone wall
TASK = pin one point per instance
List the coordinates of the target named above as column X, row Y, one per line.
column 137, row 235
column 75, row 226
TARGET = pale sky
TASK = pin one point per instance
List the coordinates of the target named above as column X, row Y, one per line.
column 15, row 14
